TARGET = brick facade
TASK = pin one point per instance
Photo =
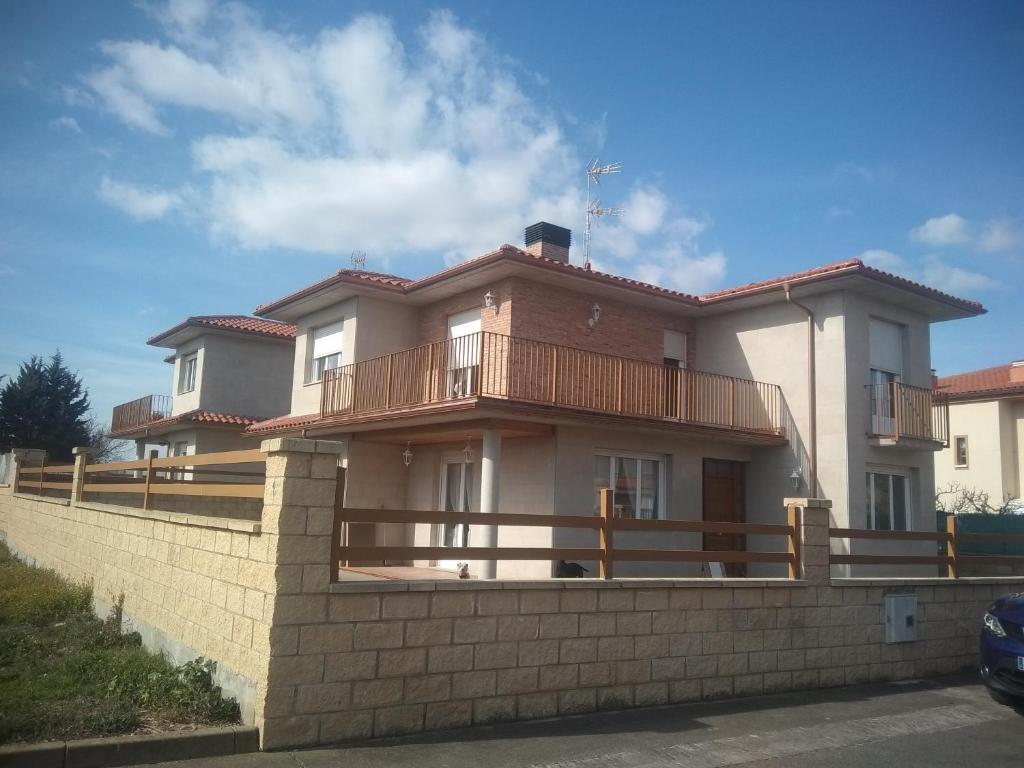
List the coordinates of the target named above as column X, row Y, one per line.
column 533, row 310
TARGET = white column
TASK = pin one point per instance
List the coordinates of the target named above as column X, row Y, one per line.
column 140, row 454
column 490, row 474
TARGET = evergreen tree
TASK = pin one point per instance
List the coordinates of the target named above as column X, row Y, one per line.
column 45, row 406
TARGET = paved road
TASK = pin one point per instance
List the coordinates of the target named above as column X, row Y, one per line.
column 948, row 722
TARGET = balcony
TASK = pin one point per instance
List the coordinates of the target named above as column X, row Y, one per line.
column 899, row 414
column 140, row 413
column 490, row 368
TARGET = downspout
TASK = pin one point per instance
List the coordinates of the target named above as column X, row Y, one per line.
column 812, row 397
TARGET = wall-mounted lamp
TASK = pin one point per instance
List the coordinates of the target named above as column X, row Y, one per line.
column 407, row 454
column 468, row 452
column 595, row 315
column 490, row 302
column 795, row 477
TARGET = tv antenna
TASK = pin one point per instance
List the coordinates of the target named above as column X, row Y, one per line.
column 594, row 210
column 358, row 260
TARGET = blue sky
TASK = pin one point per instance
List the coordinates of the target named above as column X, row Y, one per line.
column 160, row 160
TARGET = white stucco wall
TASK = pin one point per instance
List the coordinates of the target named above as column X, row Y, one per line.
column 994, row 431
column 305, row 395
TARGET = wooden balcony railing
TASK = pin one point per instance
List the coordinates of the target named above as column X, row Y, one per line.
column 505, row 367
column 898, row 410
column 139, row 413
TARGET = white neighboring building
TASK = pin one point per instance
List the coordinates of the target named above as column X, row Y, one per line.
column 986, row 427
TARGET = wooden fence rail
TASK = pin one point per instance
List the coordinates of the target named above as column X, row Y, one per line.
column 952, row 537
column 152, row 476
column 606, row 553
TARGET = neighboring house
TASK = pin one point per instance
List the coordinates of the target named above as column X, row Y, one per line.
column 230, row 371
column 986, row 424
column 521, row 383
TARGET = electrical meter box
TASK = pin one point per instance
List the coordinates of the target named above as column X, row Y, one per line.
column 900, row 618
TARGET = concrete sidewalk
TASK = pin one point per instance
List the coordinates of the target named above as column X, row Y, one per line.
column 946, row 722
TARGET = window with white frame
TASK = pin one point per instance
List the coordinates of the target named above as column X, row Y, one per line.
column 960, row 450
column 888, row 500
column 885, row 342
column 637, row 482
column 326, row 354
column 187, row 373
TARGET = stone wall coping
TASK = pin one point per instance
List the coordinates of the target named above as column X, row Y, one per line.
column 35, row 497
column 301, row 445
column 199, row 521
column 473, row 585
column 928, row 581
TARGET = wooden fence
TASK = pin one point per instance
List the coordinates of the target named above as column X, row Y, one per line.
column 153, row 476
column 948, row 548
column 522, row 370
column 605, row 526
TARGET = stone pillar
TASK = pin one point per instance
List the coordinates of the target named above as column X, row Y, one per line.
column 298, row 515
column 490, row 476
column 814, row 541
column 82, row 457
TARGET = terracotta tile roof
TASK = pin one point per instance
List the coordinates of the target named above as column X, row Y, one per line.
column 508, row 252
column 283, row 422
column 848, row 266
column 257, row 326
column 988, row 382
column 197, row 416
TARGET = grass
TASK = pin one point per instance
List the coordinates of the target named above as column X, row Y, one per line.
column 65, row 674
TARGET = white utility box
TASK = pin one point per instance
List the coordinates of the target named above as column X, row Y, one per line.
column 900, row 618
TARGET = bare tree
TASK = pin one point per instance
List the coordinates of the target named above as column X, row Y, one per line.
column 958, row 499
column 104, row 448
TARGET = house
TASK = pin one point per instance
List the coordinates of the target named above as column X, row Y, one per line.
column 986, row 422
column 229, row 371
column 520, row 382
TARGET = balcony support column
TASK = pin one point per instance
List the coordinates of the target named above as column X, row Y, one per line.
column 490, row 475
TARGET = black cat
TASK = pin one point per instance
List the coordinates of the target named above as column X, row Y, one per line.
column 566, row 570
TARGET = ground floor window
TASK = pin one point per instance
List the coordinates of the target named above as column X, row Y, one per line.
column 638, row 483
column 888, row 500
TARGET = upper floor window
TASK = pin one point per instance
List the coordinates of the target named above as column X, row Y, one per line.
column 675, row 349
column 187, row 373
column 326, row 350
column 888, row 500
column 637, row 482
column 960, row 450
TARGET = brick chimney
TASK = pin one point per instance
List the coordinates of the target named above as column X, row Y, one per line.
column 1017, row 372
column 548, row 241
column 935, row 380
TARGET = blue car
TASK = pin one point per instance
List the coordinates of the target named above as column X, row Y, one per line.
column 1002, row 647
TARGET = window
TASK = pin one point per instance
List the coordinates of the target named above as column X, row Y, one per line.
column 888, row 501
column 638, row 483
column 960, row 444
column 886, row 361
column 326, row 355
column 463, row 352
column 187, row 373
column 675, row 349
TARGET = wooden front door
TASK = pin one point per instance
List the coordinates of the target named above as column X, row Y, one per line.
column 725, row 501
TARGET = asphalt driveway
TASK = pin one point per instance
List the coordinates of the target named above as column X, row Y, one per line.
column 934, row 723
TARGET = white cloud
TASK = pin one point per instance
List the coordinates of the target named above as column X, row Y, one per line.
column 674, row 266
column 137, row 202
column 644, row 210
column 348, row 140
column 884, row 260
column 955, row 280
column 66, row 123
column 951, row 229
column 932, row 271
column 1000, row 235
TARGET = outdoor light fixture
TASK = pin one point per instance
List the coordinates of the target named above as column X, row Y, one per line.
column 795, row 477
column 407, row 454
column 490, row 302
column 595, row 315
column 468, row 452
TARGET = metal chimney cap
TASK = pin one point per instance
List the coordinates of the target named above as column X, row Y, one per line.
column 548, row 233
